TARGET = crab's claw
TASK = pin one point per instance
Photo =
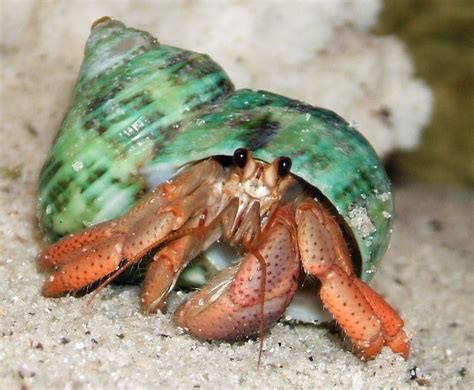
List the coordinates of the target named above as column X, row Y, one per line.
column 239, row 300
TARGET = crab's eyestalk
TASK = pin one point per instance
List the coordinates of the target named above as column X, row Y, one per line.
column 278, row 169
column 244, row 160
column 284, row 166
column 241, row 157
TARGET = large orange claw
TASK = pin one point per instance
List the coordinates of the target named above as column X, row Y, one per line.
column 238, row 301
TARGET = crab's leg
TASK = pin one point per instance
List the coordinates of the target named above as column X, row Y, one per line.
column 175, row 189
column 364, row 316
column 167, row 264
column 395, row 336
column 153, row 228
column 230, row 306
column 163, row 272
column 82, row 269
column 59, row 253
column 105, row 256
column 122, row 247
column 194, row 237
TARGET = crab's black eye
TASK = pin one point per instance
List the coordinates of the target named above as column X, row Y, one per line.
column 284, row 166
column 240, row 157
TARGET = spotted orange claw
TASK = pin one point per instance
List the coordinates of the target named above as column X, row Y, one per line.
column 231, row 305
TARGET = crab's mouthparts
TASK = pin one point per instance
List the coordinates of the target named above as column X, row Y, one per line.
column 255, row 189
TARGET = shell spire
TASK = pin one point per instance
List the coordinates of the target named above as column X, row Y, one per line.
column 132, row 95
column 111, row 44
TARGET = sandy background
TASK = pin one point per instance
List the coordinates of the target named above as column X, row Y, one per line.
column 65, row 343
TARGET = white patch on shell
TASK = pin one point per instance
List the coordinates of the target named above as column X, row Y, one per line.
column 353, row 124
column 370, row 270
column 158, row 173
column 200, row 122
column 49, row 209
column 359, row 219
column 77, row 166
column 305, row 308
column 384, row 196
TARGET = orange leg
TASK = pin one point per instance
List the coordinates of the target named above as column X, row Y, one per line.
column 392, row 324
column 365, row 317
column 89, row 256
column 163, row 272
column 153, row 228
column 61, row 252
column 174, row 190
column 85, row 268
column 195, row 237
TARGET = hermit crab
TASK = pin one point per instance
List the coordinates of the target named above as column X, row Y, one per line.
column 159, row 161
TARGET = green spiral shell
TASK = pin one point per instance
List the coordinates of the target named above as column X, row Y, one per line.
column 140, row 107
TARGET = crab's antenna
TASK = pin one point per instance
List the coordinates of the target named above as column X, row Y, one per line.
column 263, row 284
column 261, row 317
